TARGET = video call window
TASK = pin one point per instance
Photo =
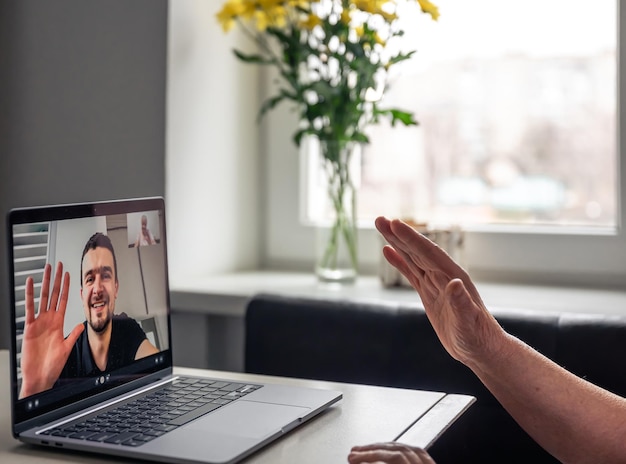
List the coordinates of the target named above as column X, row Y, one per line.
column 143, row 229
column 122, row 290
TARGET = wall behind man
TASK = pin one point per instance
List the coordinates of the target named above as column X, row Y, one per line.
column 82, row 98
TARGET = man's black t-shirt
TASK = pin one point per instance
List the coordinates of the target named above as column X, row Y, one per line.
column 126, row 336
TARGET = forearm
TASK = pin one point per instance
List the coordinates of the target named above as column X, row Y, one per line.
column 572, row 419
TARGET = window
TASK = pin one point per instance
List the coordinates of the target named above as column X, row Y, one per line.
column 518, row 105
column 517, row 108
column 214, row 171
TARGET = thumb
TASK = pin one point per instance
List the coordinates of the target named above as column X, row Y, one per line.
column 457, row 295
column 74, row 334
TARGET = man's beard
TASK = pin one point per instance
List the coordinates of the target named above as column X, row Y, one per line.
column 99, row 325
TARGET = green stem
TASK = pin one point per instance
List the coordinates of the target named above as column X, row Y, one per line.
column 340, row 184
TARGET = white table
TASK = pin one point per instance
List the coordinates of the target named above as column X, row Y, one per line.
column 366, row 414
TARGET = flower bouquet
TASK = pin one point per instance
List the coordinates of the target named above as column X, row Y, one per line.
column 333, row 58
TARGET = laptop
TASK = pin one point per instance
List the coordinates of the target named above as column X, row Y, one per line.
column 91, row 356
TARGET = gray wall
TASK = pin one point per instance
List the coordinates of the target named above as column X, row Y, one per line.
column 82, row 105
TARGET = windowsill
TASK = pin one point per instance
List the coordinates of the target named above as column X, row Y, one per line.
column 228, row 294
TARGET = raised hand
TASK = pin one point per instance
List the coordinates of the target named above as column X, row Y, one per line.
column 453, row 305
column 44, row 348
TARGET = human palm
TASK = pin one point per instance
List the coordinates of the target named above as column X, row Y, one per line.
column 44, row 348
column 452, row 302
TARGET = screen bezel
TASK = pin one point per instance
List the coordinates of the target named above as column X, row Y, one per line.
column 85, row 392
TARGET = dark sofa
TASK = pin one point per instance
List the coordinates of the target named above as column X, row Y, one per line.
column 395, row 345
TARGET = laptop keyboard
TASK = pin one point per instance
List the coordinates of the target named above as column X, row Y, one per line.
column 141, row 420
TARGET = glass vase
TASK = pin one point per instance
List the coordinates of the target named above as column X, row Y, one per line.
column 336, row 233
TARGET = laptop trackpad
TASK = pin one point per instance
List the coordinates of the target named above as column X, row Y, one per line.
column 226, row 433
column 249, row 419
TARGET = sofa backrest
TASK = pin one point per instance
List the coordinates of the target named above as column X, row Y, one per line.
column 394, row 345
column 381, row 344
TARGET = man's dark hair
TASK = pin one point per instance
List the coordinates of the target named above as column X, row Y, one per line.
column 98, row 240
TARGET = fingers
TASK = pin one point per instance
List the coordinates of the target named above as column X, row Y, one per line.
column 401, row 262
column 55, row 301
column 382, row 224
column 30, row 300
column 56, row 287
column 65, row 291
column 389, row 453
column 421, row 253
column 390, row 446
column 428, row 252
column 45, row 289
column 425, row 253
column 403, row 258
column 409, row 256
column 73, row 336
column 403, row 239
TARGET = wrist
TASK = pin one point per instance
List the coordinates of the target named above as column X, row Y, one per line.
column 496, row 353
column 28, row 389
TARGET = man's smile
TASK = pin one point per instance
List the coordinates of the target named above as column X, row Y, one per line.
column 98, row 305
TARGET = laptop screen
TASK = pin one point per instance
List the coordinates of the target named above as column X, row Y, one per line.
column 90, row 301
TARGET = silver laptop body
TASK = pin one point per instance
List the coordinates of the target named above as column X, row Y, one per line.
column 201, row 420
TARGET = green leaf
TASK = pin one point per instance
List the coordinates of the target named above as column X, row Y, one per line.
column 271, row 102
column 397, row 116
column 360, row 137
column 338, row 76
column 400, row 57
column 297, row 138
column 253, row 59
column 402, row 116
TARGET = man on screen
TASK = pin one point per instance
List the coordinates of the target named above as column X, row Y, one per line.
column 104, row 342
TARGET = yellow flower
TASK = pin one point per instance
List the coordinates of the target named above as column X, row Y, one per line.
column 337, row 46
column 277, row 13
column 376, row 7
column 309, row 22
column 275, row 17
column 345, row 16
column 268, row 4
column 429, row 8
column 369, row 6
column 304, row 4
column 230, row 11
column 389, row 17
column 270, row 7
